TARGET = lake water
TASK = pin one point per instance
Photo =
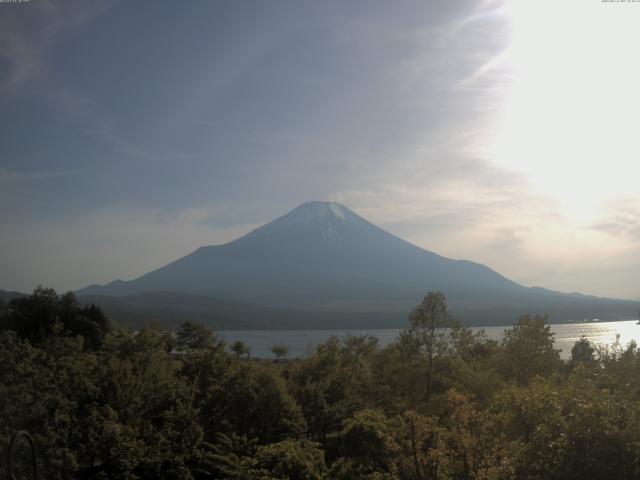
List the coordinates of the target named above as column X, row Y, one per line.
column 300, row 342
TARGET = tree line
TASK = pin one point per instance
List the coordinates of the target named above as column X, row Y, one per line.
column 103, row 402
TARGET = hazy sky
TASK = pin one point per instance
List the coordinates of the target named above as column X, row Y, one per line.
column 507, row 133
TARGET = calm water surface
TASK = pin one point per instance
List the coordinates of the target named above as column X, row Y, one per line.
column 300, row 342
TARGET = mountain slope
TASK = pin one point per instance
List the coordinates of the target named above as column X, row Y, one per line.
column 323, row 257
column 320, row 252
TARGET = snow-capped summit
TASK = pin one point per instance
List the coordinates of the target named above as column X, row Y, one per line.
column 318, row 212
column 309, row 221
column 320, row 209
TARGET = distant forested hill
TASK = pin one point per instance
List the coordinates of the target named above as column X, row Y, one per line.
column 6, row 296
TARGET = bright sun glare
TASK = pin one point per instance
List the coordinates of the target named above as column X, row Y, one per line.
column 570, row 121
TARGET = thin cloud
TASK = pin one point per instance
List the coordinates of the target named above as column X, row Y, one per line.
column 623, row 220
column 25, row 42
column 8, row 176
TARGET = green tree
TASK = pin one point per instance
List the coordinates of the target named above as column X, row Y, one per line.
column 230, row 456
column 427, row 321
column 151, row 422
column 364, row 441
column 527, row 350
column 239, row 348
column 192, row 337
column 583, row 352
column 334, row 382
column 401, row 375
column 476, row 448
column 122, row 410
column 570, row 430
column 280, row 351
column 44, row 313
column 290, row 460
column 243, row 398
column 416, row 448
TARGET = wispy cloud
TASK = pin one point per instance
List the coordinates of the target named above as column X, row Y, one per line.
column 97, row 125
column 622, row 220
column 26, row 36
column 8, row 176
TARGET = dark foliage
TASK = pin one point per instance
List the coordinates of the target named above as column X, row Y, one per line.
column 436, row 404
column 46, row 313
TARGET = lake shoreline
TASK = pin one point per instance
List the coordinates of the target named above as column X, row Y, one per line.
column 302, row 341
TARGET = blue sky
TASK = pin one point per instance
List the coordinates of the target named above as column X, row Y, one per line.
column 134, row 132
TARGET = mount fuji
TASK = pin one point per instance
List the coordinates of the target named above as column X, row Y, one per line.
column 322, row 261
